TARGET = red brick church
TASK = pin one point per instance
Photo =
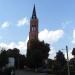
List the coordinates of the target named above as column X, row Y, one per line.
column 33, row 33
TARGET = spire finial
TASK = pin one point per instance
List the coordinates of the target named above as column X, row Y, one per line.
column 34, row 12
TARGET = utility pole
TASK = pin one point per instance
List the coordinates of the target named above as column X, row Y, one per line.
column 67, row 61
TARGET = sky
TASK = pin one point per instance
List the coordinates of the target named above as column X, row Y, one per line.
column 56, row 24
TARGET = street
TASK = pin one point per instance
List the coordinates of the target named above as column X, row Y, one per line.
column 22, row 72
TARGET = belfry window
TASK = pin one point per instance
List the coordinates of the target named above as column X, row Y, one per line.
column 33, row 28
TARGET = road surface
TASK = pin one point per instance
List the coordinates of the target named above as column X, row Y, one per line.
column 22, row 72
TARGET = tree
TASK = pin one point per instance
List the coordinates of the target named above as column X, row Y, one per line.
column 19, row 58
column 60, row 58
column 50, row 63
column 22, row 61
column 13, row 52
column 37, row 54
column 59, row 62
column 3, row 58
column 72, row 62
column 73, row 52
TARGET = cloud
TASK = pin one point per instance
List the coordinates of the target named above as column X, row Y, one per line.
column 23, row 21
column 73, row 41
column 65, row 23
column 48, row 36
column 5, row 25
column 69, row 54
column 51, row 36
column 52, row 53
column 21, row 45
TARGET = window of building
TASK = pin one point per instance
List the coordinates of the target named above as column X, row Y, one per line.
column 33, row 28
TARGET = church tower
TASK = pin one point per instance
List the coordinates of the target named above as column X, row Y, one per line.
column 33, row 33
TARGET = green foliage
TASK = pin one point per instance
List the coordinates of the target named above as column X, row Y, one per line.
column 73, row 51
column 22, row 61
column 9, row 71
column 50, row 63
column 60, row 58
column 3, row 58
column 37, row 54
column 13, row 52
column 59, row 62
column 72, row 64
column 19, row 59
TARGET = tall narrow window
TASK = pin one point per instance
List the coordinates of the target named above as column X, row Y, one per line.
column 33, row 28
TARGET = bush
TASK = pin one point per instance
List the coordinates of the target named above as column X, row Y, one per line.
column 9, row 71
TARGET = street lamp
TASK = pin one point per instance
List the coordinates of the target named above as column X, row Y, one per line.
column 67, row 61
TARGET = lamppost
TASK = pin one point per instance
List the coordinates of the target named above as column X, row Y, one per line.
column 67, row 61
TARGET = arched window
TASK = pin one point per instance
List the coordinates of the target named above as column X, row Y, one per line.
column 33, row 28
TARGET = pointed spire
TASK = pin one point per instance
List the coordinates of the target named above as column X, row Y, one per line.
column 34, row 12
